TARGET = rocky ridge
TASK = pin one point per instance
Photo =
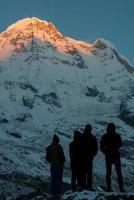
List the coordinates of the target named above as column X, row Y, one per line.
column 49, row 84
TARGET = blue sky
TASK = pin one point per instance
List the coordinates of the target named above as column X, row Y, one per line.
column 81, row 19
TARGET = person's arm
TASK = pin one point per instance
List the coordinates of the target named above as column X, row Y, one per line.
column 102, row 144
column 47, row 155
column 119, row 143
column 62, row 156
column 95, row 147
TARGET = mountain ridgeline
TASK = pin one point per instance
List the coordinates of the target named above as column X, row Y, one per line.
column 51, row 83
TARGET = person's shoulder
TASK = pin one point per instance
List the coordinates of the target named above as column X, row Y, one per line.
column 48, row 147
column 117, row 135
column 71, row 143
column 93, row 137
column 60, row 146
column 104, row 136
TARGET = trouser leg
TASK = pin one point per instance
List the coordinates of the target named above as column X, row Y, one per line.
column 73, row 178
column 59, row 177
column 56, row 176
column 53, row 179
column 90, row 171
column 119, row 173
column 82, row 180
column 108, row 173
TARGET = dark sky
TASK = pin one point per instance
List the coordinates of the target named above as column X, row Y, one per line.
column 80, row 19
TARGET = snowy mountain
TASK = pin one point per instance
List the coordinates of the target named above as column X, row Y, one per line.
column 49, row 84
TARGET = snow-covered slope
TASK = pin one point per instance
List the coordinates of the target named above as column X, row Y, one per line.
column 49, row 84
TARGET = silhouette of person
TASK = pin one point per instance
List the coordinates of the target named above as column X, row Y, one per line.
column 55, row 156
column 75, row 159
column 90, row 148
column 110, row 144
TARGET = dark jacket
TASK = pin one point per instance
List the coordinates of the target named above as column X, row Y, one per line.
column 55, row 154
column 75, row 153
column 90, row 145
column 110, row 144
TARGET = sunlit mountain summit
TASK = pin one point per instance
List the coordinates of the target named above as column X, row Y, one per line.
column 24, row 31
column 51, row 83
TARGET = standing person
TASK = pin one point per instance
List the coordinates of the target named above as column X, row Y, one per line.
column 75, row 159
column 110, row 144
column 90, row 148
column 55, row 156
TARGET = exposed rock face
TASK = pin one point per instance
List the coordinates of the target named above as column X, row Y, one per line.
column 126, row 111
column 23, row 117
column 50, row 98
column 28, row 102
column 50, row 84
column 91, row 92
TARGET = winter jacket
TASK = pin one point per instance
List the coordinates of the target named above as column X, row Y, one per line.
column 90, row 145
column 75, row 153
column 55, row 154
column 110, row 144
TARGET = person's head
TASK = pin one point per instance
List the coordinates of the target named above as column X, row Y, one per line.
column 56, row 139
column 88, row 128
column 77, row 135
column 111, row 128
